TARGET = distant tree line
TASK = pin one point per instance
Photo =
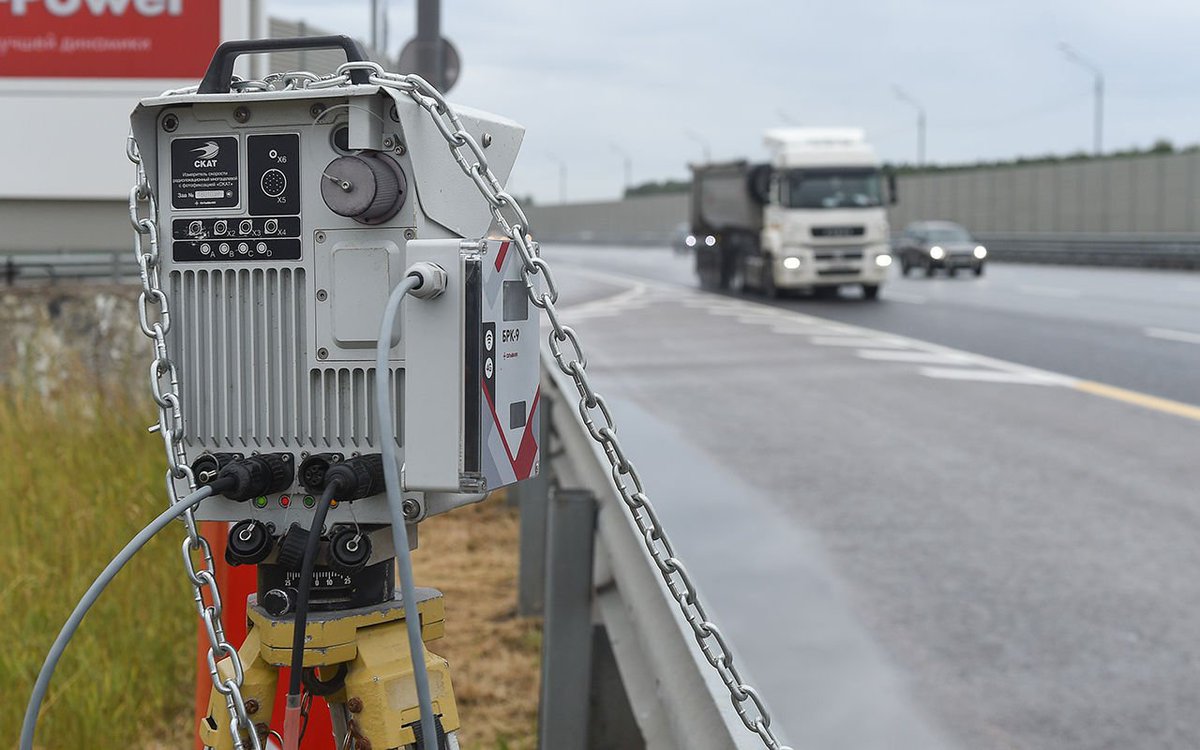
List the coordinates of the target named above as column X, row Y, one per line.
column 1160, row 146
column 658, row 188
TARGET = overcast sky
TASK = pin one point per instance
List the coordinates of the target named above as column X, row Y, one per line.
column 641, row 74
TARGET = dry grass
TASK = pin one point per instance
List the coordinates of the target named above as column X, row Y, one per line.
column 81, row 476
column 470, row 555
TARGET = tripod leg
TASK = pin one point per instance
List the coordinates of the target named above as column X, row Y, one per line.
column 380, row 685
column 339, row 716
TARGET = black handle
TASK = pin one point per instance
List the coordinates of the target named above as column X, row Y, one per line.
column 219, row 75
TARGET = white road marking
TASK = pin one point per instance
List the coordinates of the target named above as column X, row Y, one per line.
column 1050, row 291
column 834, row 333
column 860, row 342
column 632, row 298
column 1187, row 337
column 912, row 299
column 897, row 355
column 995, row 376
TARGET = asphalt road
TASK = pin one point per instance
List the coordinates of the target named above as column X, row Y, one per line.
column 929, row 521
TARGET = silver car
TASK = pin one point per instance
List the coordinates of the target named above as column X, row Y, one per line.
column 931, row 245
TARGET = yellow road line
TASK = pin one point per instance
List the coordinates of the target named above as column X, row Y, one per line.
column 1177, row 408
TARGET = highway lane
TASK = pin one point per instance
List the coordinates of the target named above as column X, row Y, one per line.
column 914, row 546
column 1135, row 329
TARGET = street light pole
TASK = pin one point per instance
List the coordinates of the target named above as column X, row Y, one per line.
column 1098, row 125
column 430, row 53
column 628, row 162
column 904, row 97
column 562, row 178
column 701, row 140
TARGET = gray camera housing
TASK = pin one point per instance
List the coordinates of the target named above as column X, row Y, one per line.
column 274, row 319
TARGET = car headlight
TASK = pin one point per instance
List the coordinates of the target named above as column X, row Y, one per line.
column 980, row 252
column 710, row 240
column 690, row 241
column 791, row 263
column 883, row 261
column 937, row 253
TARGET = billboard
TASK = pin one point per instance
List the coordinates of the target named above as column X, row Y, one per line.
column 71, row 71
column 107, row 38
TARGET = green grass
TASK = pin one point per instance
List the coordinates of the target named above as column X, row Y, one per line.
column 79, row 477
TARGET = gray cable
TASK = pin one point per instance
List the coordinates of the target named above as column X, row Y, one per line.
column 88, row 599
column 391, row 478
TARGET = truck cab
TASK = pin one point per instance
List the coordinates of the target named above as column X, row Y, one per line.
column 814, row 217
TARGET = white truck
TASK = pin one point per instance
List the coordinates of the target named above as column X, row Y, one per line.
column 813, row 218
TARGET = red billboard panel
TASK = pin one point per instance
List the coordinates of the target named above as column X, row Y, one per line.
column 108, row 38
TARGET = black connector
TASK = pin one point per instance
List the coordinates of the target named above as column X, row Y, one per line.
column 292, row 545
column 250, row 542
column 349, row 549
column 313, row 470
column 208, row 465
column 261, row 474
column 358, row 477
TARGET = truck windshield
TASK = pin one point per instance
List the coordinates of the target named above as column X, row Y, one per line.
column 830, row 188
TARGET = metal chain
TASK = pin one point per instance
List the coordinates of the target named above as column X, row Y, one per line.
column 154, row 318
column 592, row 407
column 511, row 219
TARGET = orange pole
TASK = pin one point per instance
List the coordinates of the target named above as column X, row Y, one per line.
column 235, row 584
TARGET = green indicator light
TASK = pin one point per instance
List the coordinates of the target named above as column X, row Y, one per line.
column 260, row 501
column 309, row 501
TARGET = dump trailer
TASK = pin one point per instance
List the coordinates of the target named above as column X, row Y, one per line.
column 811, row 218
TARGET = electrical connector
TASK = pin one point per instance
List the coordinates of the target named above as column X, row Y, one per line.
column 260, row 474
column 358, row 477
column 314, row 468
column 250, row 542
column 431, row 278
column 207, row 466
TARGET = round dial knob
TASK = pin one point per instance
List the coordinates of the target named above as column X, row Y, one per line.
column 368, row 187
column 278, row 602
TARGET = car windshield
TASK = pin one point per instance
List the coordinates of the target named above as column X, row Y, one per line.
column 831, row 188
column 947, row 234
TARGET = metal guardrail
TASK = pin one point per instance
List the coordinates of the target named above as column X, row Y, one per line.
column 1076, row 249
column 114, row 266
column 661, row 694
column 1095, row 249
column 1174, row 251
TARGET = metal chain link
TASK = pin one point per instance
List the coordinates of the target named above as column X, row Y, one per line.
column 511, row 219
column 154, row 318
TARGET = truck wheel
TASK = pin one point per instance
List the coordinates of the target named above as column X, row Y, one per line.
column 870, row 291
column 979, row 270
column 736, row 281
column 727, row 271
column 767, row 284
column 704, row 271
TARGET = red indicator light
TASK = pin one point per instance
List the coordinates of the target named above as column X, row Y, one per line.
column 285, row 501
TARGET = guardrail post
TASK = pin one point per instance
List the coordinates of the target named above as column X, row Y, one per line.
column 10, row 271
column 532, row 498
column 567, row 631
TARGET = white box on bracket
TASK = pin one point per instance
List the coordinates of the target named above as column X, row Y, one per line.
column 474, row 347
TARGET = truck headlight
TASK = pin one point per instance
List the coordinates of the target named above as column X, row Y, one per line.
column 690, row 241
column 710, row 240
column 883, row 261
column 937, row 253
column 791, row 263
column 980, row 252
